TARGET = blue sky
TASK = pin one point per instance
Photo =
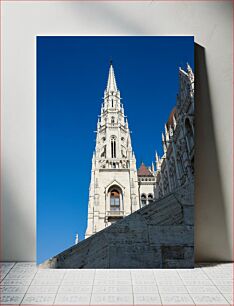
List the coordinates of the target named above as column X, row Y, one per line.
column 71, row 78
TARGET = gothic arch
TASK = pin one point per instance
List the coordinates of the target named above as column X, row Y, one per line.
column 150, row 198
column 114, row 183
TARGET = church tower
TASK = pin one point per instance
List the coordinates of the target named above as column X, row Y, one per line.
column 113, row 192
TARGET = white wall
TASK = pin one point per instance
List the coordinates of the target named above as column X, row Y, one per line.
column 211, row 24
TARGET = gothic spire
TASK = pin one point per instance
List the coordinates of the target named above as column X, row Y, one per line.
column 156, row 156
column 111, row 84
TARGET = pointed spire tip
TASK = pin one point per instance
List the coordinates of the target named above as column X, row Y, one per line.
column 111, row 83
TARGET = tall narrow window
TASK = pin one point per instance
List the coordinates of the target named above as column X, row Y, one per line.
column 150, row 198
column 115, row 200
column 113, row 148
column 143, row 200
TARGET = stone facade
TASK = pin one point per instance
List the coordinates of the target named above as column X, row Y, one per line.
column 154, row 208
column 176, row 167
column 113, row 192
column 159, row 235
column 117, row 189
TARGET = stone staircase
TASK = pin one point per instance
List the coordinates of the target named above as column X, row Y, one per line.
column 160, row 235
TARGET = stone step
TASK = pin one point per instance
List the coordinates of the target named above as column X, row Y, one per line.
column 159, row 235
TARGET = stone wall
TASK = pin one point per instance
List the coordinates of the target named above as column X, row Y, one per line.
column 160, row 235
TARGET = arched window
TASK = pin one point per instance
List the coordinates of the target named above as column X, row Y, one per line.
column 150, row 198
column 143, row 200
column 112, row 120
column 113, row 148
column 114, row 200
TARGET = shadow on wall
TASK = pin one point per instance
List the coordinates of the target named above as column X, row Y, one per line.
column 108, row 15
column 211, row 232
column 18, row 232
column 212, row 241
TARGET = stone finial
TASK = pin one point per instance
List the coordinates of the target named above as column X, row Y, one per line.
column 189, row 69
column 164, row 143
column 174, row 121
column 166, row 133
column 152, row 167
column 190, row 73
column 126, row 123
column 77, row 238
column 156, row 157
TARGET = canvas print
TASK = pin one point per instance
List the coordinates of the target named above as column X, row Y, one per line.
column 115, row 152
